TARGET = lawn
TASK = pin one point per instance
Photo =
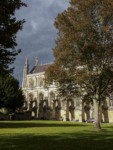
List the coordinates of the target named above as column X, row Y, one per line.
column 52, row 135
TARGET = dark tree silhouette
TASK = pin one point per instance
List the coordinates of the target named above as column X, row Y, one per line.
column 9, row 26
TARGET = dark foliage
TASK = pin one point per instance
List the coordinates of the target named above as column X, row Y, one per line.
column 9, row 26
column 11, row 96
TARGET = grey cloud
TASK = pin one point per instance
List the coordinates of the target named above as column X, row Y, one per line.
column 39, row 34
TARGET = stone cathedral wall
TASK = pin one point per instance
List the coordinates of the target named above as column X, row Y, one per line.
column 44, row 103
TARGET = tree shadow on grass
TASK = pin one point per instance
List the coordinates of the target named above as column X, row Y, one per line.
column 69, row 141
column 23, row 124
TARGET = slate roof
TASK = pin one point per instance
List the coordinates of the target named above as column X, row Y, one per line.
column 39, row 68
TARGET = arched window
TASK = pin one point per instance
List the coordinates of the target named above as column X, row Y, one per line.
column 52, row 98
column 31, row 83
column 40, row 82
column 31, row 97
column 41, row 96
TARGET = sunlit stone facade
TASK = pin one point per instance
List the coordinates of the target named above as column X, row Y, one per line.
column 44, row 103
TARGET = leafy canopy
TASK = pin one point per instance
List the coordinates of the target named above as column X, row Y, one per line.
column 84, row 48
column 11, row 96
column 9, row 26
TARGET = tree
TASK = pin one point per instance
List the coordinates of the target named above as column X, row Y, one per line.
column 9, row 26
column 84, row 51
column 11, row 96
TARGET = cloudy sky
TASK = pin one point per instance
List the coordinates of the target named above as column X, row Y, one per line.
column 38, row 35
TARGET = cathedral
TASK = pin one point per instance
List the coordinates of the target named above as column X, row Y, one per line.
column 43, row 102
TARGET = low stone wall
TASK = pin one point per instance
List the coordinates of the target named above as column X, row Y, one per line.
column 22, row 116
column 16, row 116
column 4, row 117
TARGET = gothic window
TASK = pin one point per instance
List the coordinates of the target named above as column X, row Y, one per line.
column 52, row 97
column 31, row 83
column 40, row 83
column 41, row 96
column 31, row 97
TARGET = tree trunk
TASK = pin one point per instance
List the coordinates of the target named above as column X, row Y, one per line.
column 96, row 115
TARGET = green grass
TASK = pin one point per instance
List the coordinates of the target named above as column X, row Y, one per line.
column 51, row 135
